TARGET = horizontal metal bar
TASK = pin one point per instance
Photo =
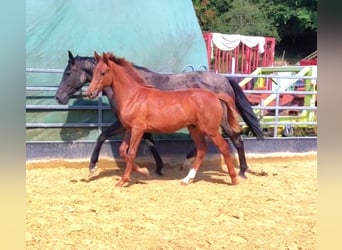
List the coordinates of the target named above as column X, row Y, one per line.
column 66, row 107
column 284, row 108
column 49, row 88
column 289, row 92
column 269, row 76
column 288, row 123
column 41, row 70
column 66, row 125
column 41, row 88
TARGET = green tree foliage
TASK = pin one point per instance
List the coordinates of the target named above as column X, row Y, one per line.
column 292, row 22
column 295, row 16
column 257, row 17
column 208, row 10
column 245, row 17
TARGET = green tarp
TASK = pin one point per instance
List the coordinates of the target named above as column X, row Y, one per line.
column 162, row 35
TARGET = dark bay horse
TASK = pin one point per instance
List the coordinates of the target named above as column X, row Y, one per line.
column 142, row 108
column 79, row 71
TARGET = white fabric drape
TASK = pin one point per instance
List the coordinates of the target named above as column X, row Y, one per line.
column 229, row 42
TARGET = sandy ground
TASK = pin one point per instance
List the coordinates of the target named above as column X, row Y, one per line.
column 275, row 208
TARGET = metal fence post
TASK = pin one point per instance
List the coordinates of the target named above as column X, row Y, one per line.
column 276, row 113
column 99, row 113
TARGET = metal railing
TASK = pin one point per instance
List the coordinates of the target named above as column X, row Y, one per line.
column 55, row 107
column 99, row 108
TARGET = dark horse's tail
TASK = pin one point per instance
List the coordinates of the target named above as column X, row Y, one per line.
column 246, row 110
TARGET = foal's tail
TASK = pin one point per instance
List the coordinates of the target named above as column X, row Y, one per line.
column 246, row 110
column 232, row 114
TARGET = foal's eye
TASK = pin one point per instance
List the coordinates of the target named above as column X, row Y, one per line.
column 103, row 73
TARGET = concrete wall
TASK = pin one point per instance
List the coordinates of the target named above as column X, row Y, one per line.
column 172, row 151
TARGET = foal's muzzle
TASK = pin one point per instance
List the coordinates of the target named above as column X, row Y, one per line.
column 92, row 94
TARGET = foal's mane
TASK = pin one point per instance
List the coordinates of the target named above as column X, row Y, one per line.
column 128, row 67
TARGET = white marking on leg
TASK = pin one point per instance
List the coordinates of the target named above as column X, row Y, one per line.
column 191, row 175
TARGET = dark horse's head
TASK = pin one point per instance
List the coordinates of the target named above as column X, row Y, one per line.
column 77, row 73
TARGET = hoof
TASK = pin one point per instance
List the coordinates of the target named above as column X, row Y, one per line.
column 242, row 174
column 92, row 171
column 120, row 183
column 186, row 182
column 158, row 172
column 235, row 181
column 144, row 171
column 123, row 181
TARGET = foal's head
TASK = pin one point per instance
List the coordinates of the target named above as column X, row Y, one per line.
column 102, row 75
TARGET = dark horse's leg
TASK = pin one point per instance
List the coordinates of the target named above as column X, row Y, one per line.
column 237, row 141
column 189, row 158
column 117, row 128
column 240, row 147
column 152, row 146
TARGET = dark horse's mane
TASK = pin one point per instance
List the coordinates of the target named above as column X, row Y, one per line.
column 85, row 62
column 83, row 58
column 142, row 68
column 91, row 58
column 111, row 56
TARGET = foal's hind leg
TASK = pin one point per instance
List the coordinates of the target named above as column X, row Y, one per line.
column 223, row 147
column 201, row 148
column 190, row 157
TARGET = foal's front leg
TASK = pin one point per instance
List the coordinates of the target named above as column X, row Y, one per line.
column 123, row 153
column 128, row 152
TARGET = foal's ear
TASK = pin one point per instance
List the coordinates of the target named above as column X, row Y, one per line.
column 71, row 57
column 105, row 58
column 97, row 56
